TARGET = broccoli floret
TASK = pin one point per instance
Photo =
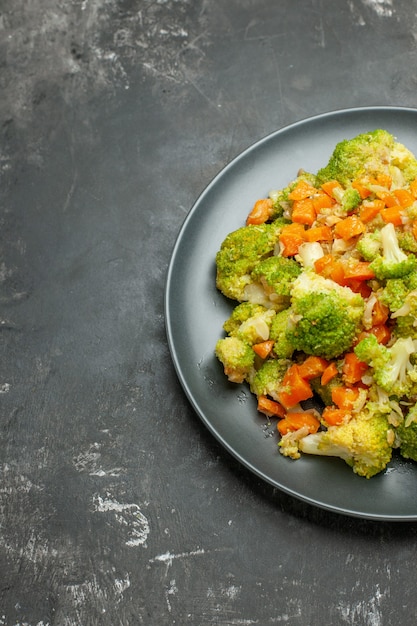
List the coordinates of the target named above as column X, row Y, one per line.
column 256, row 328
column 365, row 154
column 405, row 316
column 406, row 434
column 267, row 380
column 406, row 326
column 392, row 369
column 240, row 314
column 326, row 317
column 409, row 305
column 238, row 255
column 393, row 263
column 237, row 358
column 404, row 161
column 407, row 242
column 394, row 293
column 277, row 275
column 369, row 245
column 347, row 198
column 278, row 333
column 364, row 442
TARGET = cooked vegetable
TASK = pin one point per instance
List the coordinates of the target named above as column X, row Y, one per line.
column 326, row 317
column 362, row 442
column 325, row 276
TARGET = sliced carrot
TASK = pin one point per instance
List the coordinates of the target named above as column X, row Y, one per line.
column 369, row 210
column 261, row 212
column 264, row 348
column 330, row 186
column 392, row 215
column 404, row 197
column 413, row 188
column 270, row 407
column 319, row 233
column 360, row 186
column 380, row 313
column 322, row 201
column 385, row 180
column 334, row 416
column 312, row 367
column 303, row 212
column 353, row 369
column 345, row 397
column 388, row 198
column 302, row 190
column 291, row 237
column 295, row 389
column 295, row 421
column 382, row 333
column 330, row 267
column 350, row 227
column 324, row 264
column 329, row 373
column 360, row 286
column 414, row 229
column 358, row 270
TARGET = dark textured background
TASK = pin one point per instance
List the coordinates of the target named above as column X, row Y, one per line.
column 117, row 507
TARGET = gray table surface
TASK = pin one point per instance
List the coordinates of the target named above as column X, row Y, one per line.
column 117, row 506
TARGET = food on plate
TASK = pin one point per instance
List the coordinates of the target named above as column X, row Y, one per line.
column 324, row 328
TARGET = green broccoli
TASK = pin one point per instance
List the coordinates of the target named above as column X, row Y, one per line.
column 393, row 263
column 364, row 442
column 240, row 314
column 239, row 253
column 405, row 316
column 278, row 333
column 268, row 378
column 348, row 199
column 325, row 318
column 406, row 326
column 403, row 165
column 277, row 275
column 407, row 241
column 256, row 328
column 394, row 293
column 369, row 154
column 237, row 358
column 392, row 369
column 369, row 245
column 406, row 434
column 409, row 306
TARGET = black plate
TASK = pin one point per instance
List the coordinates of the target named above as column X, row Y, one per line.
column 195, row 312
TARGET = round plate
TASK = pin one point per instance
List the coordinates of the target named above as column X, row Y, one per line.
column 195, row 312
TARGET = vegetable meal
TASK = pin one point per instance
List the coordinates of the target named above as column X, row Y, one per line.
column 324, row 277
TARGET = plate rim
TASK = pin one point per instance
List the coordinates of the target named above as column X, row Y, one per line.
column 168, row 313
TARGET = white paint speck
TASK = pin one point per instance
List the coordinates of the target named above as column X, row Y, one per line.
column 367, row 612
column 383, row 8
column 120, row 585
column 231, row 592
column 5, row 388
column 172, row 590
column 89, row 461
column 168, row 557
column 128, row 515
